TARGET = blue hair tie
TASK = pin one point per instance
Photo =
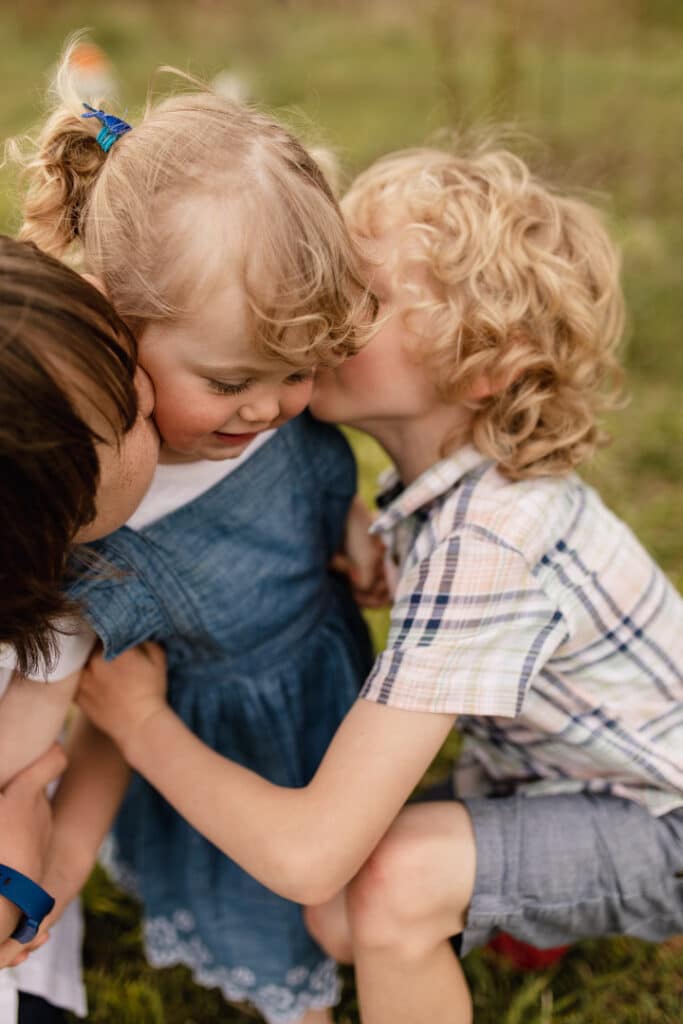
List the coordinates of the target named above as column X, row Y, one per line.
column 112, row 127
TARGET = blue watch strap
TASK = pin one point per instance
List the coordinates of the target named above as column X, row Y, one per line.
column 33, row 901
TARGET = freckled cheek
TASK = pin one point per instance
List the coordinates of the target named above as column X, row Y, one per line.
column 144, row 457
column 331, row 384
column 184, row 417
column 323, row 392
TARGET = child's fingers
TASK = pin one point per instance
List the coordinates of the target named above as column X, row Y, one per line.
column 39, row 941
column 26, row 951
column 366, row 572
column 370, row 601
column 376, row 583
column 10, row 949
column 101, row 673
column 375, row 596
column 341, row 563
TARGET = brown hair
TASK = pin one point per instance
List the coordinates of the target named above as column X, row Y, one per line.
column 523, row 291
column 198, row 181
column 62, row 348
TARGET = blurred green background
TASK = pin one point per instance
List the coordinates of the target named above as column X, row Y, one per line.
column 594, row 93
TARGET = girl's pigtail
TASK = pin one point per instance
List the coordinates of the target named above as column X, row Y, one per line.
column 61, row 170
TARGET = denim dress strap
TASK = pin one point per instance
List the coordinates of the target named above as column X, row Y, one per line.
column 324, row 454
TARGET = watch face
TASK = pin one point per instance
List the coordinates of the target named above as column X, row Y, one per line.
column 26, row 930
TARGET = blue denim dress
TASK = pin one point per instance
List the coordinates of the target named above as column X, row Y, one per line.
column 266, row 653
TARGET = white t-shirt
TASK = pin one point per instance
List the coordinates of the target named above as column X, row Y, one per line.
column 177, row 484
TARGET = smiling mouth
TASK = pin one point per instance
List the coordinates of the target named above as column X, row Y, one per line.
column 234, row 438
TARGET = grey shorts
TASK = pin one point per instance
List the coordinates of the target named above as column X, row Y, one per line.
column 555, row 869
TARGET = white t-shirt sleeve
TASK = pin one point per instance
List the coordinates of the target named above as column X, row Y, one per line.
column 6, row 670
column 73, row 650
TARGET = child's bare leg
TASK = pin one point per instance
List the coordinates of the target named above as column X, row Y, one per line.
column 318, row 1017
column 329, row 926
column 328, row 923
column 407, row 900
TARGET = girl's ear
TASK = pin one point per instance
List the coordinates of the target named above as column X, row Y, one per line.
column 96, row 283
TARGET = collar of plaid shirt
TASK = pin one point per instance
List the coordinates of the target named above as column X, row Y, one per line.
column 398, row 503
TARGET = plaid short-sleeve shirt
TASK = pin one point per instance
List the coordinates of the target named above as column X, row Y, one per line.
column 532, row 613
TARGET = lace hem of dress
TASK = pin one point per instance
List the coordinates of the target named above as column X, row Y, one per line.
column 170, row 941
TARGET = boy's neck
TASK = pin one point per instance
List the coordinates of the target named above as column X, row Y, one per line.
column 416, row 445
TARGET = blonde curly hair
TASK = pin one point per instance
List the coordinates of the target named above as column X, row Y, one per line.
column 523, row 294
column 201, row 188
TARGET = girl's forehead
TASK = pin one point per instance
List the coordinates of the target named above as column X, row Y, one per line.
column 212, row 346
column 220, row 316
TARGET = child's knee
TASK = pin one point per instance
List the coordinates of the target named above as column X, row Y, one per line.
column 328, row 923
column 407, row 895
column 378, row 904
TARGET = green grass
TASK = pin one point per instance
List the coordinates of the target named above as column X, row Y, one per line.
column 619, row 980
column 601, row 85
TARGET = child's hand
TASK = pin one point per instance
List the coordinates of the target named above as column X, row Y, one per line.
column 26, row 827
column 362, row 559
column 119, row 696
column 14, row 953
column 26, row 816
column 366, row 575
column 63, row 881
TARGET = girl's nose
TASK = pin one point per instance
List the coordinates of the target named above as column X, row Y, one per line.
column 263, row 408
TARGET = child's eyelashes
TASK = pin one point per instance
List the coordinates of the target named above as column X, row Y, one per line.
column 222, row 387
column 300, row 376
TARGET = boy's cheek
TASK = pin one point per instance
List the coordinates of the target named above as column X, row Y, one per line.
column 298, row 402
column 326, row 393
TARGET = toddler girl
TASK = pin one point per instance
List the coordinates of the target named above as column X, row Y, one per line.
column 218, row 240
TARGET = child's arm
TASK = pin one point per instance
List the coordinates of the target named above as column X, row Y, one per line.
column 83, row 809
column 25, row 832
column 306, row 843
column 32, row 714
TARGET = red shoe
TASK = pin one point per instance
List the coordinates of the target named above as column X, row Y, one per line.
column 523, row 956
